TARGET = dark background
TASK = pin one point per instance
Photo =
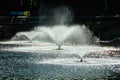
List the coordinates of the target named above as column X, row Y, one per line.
column 80, row 7
column 100, row 16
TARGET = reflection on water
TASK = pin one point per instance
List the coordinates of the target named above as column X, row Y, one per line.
column 24, row 60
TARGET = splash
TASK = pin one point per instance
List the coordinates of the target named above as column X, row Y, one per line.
column 59, row 34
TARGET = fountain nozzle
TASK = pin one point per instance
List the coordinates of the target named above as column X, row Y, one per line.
column 81, row 60
column 59, row 47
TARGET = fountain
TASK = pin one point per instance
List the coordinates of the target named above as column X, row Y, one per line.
column 77, row 57
column 24, row 36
